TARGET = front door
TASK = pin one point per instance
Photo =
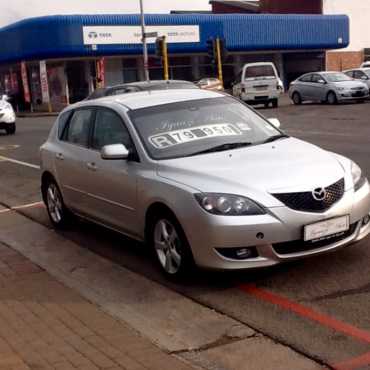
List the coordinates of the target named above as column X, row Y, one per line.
column 112, row 184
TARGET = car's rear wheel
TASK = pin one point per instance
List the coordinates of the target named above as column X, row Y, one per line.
column 10, row 130
column 59, row 215
column 332, row 98
column 297, row 100
column 275, row 103
column 170, row 246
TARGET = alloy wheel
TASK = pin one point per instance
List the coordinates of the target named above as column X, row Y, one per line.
column 167, row 245
column 54, row 203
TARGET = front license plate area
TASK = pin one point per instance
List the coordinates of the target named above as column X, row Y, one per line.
column 326, row 229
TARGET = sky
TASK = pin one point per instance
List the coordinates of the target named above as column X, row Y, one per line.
column 15, row 10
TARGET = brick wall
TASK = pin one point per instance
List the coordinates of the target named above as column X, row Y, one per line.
column 342, row 60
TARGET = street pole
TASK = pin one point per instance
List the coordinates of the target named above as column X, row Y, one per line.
column 219, row 61
column 143, row 35
column 165, row 58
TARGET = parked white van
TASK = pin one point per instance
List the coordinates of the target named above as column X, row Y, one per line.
column 258, row 83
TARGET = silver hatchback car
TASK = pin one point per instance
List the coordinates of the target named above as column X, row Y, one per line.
column 203, row 179
column 327, row 87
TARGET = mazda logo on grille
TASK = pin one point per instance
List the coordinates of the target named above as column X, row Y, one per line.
column 319, row 194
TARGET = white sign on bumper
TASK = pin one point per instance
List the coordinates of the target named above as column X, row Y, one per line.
column 326, row 228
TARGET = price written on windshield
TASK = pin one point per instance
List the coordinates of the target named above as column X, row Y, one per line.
column 172, row 138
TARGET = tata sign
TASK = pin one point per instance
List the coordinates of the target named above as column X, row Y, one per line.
column 105, row 35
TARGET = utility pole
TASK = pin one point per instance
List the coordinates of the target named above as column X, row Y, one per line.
column 145, row 48
column 219, row 61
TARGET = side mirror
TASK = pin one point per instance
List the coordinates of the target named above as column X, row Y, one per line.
column 5, row 97
column 321, row 82
column 275, row 122
column 364, row 78
column 114, row 152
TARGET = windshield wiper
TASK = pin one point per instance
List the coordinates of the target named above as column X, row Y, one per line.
column 222, row 147
column 275, row 138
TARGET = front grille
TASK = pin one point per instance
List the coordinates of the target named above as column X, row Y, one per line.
column 300, row 246
column 358, row 94
column 305, row 201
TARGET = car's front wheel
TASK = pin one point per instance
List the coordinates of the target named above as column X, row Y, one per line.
column 297, row 100
column 171, row 246
column 58, row 213
column 332, row 98
column 10, row 130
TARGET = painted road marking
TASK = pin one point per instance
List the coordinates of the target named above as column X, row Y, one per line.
column 306, row 312
column 354, row 363
column 24, row 206
column 2, row 158
column 9, row 147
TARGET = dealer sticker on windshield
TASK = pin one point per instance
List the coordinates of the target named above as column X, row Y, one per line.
column 172, row 138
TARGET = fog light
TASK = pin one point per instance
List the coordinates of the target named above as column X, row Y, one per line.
column 365, row 220
column 238, row 253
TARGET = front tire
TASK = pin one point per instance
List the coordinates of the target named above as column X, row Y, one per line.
column 59, row 215
column 11, row 129
column 297, row 100
column 170, row 246
column 332, row 98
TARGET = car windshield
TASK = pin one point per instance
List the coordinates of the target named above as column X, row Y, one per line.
column 189, row 128
column 336, row 77
column 260, row 72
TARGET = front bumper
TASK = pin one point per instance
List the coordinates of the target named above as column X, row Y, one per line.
column 280, row 225
column 350, row 95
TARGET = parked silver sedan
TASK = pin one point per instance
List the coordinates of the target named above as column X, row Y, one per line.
column 360, row 74
column 203, row 179
column 327, row 87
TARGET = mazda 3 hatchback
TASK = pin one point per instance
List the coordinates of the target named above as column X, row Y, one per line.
column 203, row 179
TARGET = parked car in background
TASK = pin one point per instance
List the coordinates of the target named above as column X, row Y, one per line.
column 258, row 83
column 361, row 74
column 141, row 86
column 7, row 116
column 210, row 83
column 327, row 87
column 365, row 65
column 203, row 179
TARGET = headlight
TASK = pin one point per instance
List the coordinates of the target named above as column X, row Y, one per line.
column 358, row 178
column 341, row 88
column 228, row 205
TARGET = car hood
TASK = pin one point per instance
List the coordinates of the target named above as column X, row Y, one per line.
column 287, row 165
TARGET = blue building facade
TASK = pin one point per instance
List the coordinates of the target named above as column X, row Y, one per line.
column 62, row 41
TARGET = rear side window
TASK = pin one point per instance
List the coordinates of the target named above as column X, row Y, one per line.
column 306, row 78
column 78, row 129
column 260, row 71
column 62, row 122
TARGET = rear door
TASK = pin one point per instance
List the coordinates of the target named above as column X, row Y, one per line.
column 111, row 184
column 70, row 158
column 304, row 87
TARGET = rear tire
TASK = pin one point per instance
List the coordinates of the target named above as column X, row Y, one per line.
column 170, row 245
column 297, row 100
column 11, row 129
column 331, row 98
column 275, row 103
column 59, row 215
column 267, row 104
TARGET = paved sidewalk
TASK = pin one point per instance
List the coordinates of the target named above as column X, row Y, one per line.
column 45, row 325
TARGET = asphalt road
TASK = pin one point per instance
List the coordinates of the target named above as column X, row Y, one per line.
column 320, row 306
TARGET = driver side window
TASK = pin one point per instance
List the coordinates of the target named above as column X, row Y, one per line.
column 109, row 129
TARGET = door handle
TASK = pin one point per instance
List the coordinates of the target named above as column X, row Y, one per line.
column 59, row 156
column 92, row 166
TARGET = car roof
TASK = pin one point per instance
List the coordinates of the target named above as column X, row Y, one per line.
column 145, row 99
